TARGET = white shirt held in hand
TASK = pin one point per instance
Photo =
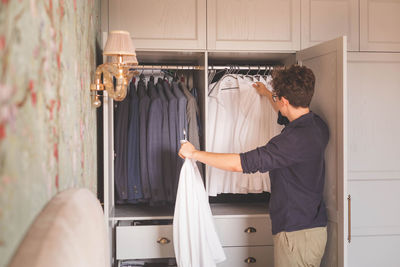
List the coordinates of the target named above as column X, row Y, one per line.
column 196, row 242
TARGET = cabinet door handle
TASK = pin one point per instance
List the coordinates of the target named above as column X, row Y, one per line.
column 250, row 230
column 250, row 260
column 349, row 218
column 163, row 241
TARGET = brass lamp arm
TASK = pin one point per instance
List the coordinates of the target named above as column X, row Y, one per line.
column 120, row 72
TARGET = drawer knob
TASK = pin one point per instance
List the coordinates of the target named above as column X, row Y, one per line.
column 250, row 260
column 163, row 241
column 250, row 230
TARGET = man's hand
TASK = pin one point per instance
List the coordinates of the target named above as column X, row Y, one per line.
column 261, row 89
column 187, row 150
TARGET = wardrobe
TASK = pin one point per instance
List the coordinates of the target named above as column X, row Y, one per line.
column 244, row 229
column 205, row 34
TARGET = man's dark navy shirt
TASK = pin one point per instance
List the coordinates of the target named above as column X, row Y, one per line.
column 295, row 161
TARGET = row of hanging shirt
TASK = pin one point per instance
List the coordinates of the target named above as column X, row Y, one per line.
column 239, row 120
column 149, row 125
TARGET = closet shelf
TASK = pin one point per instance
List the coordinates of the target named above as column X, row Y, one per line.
column 135, row 212
column 142, row 212
column 239, row 209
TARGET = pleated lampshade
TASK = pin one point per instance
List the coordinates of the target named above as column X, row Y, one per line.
column 119, row 43
column 125, row 59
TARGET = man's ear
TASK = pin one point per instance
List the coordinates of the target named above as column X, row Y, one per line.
column 284, row 101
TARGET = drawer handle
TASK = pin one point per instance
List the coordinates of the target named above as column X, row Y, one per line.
column 250, row 230
column 250, row 260
column 163, row 241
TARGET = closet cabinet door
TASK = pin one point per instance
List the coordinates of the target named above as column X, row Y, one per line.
column 379, row 25
column 328, row 62
column 161, row 24
column 323, row 20
column 374, row 158
column 253, row 25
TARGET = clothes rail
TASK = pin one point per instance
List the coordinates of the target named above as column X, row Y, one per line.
column 242, row 67
column 168, row 67
column 192, row 67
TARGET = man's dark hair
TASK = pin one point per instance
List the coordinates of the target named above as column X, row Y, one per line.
column 295, row 83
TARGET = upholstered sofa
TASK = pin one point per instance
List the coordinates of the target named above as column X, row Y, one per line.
column 69, row 231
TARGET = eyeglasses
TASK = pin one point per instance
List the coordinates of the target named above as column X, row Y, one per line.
column 274, row 98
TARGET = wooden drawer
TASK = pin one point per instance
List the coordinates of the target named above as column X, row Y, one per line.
column 144, row 242
column 256, row 256
column 251, row 231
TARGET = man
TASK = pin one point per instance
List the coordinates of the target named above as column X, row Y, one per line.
column 295, row 161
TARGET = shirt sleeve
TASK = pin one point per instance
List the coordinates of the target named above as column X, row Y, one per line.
column 261, row 159
column 279, row 152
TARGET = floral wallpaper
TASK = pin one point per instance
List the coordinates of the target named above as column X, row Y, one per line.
column 47, row 124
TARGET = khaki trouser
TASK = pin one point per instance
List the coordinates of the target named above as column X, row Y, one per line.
column 303, row 248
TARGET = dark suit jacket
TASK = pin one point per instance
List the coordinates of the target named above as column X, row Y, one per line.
column 134, row 180
column 174, row 139
column 121, row 149
column 144, row 103
column 154, row 146
column 181, row 124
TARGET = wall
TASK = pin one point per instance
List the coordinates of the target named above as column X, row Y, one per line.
column 47, row 125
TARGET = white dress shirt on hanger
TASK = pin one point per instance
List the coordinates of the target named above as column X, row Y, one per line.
column 239, row 120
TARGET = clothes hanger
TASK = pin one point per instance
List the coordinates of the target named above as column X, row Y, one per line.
column 264, row 75
column 216, row 75
column 142, row 77
column 267, row 68
column 248, row 71
column 166, row 75
column 215, row 79
column 270, row 70
column 175, row 77
column 235, row 70
column 255, row 76
column 182, row 79
column 226, row 72
column 211, row 75
column 229, row 81
column 159, row 76
column 152, row 74
column 251, row 77
column 238, row 70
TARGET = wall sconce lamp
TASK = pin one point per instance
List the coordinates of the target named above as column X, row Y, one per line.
column 121, row 58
